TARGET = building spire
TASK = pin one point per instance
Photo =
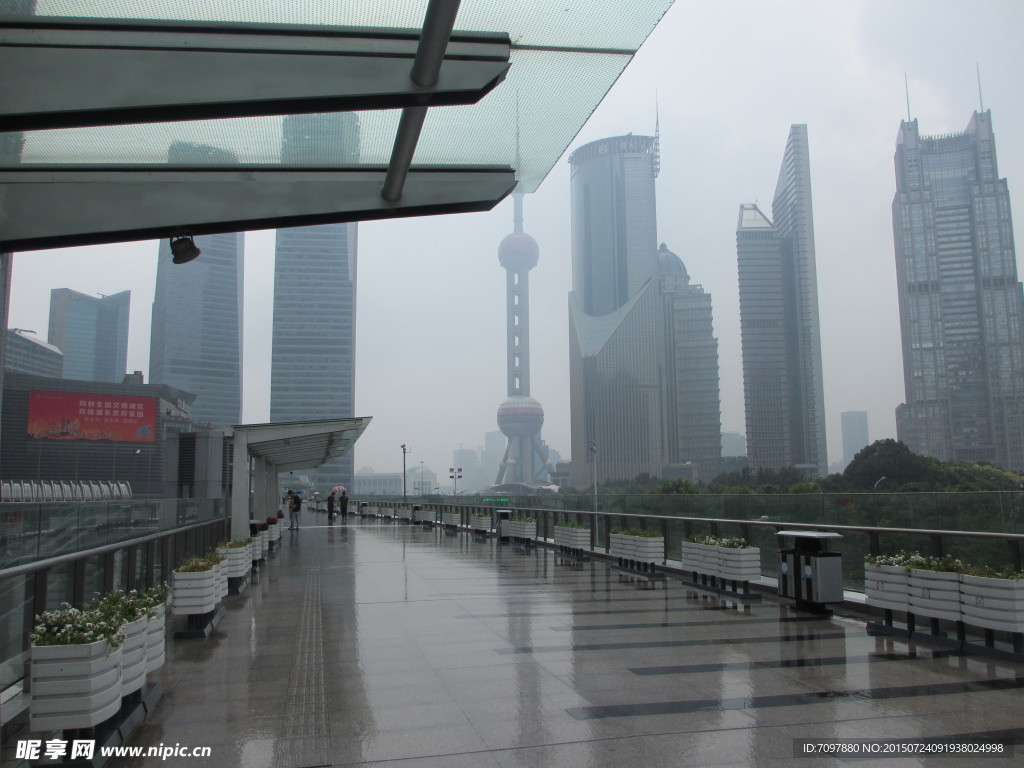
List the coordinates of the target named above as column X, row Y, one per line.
column 657, row 137
column 906, row 87
column 981, row 101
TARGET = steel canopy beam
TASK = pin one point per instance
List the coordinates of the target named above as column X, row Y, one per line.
column 437, row 31
column 66, row 73
column 42, row 207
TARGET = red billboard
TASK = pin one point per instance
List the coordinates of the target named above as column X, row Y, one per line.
column 78, row 416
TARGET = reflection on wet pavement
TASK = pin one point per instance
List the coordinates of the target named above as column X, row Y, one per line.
column 371, row 642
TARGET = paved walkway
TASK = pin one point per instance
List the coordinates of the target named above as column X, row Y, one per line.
column 389, row 645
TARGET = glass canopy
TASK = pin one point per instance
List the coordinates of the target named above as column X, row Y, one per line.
column 565, row 55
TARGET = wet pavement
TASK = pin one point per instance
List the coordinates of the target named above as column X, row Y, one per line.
column 379, row 643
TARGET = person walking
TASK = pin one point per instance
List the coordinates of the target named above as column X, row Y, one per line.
column 330, row 506
column 343, row 504
column 295, row 508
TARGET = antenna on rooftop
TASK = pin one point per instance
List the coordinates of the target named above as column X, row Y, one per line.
column 906, row 86
column 657, row 137
column 517, row 197
column 981, row 101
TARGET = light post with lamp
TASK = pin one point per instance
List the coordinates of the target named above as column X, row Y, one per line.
column 405, row 450
column 455, row 474
column 593, row 454
column 422, row 487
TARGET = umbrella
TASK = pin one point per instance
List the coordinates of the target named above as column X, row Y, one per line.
column 338, row 489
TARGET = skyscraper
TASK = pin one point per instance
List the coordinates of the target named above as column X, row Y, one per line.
column 693, row 413
column 196, row 332
column 313, row 355
column 616, row 331
column 961, row 306
column 92, row 332
column 855, row 433
column 782, row 381
column 27, row 353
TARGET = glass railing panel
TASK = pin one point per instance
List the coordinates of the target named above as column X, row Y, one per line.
column 62, row 528
column 93, row 576
column 16, row 599
column 20, row 536
column 60, row 581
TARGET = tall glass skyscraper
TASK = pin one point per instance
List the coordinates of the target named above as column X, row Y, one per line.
column 693, row 408
column 616, row 334
column 313, row 357
column 196, row 332
column 961, row 305
column 92, row 332
column 643, row 370
column 855, row 433
column 782, row 380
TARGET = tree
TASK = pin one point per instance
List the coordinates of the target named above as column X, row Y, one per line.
column 892, row 461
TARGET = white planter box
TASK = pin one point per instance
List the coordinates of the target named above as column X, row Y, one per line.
column 739, row 564
column 451, row 518
column 648, row 549
column 621, row 545
column 520, row 530
column 404, row 514
column 387, row 512
column 133, row 656
column 222, row 578
column 239, row 561
column 935, row 594
column 480, row 522
column 992, row 603
column 74, row 686
column 274, row 532
column 692, row 556
column 156, row 639
column 887, row 587
column 194, row 592
column 423, row 515
column 257, row 545
column 644, row 549
column 572, row 538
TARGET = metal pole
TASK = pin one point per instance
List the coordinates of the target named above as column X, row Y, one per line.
column 593, row 453
column 405, row 450
column 437, row 30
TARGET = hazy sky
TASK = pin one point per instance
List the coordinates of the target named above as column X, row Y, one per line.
column 729, row 78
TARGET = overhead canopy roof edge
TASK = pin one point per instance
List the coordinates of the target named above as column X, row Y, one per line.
column 300, row 444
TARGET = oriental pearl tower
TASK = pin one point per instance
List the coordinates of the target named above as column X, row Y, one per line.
column 520, row 417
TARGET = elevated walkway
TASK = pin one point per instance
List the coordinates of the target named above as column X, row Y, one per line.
column 378, row 643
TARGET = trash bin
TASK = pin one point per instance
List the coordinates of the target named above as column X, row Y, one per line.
column 501, row 528
column 808, row 572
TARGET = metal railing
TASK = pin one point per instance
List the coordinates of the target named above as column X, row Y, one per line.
column 32, row 532
column 67, row 552
column 993, row 548
column 997, row 511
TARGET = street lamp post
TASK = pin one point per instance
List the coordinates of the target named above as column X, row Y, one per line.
column 405, row 450
column 593, row 453
column 422, row 488
column 455, row 473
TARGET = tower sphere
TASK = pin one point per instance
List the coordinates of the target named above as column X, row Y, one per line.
column 520, row 416
column 517, row 251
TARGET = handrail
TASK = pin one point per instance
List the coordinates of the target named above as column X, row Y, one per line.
column 19, row 570
column 764, row 523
